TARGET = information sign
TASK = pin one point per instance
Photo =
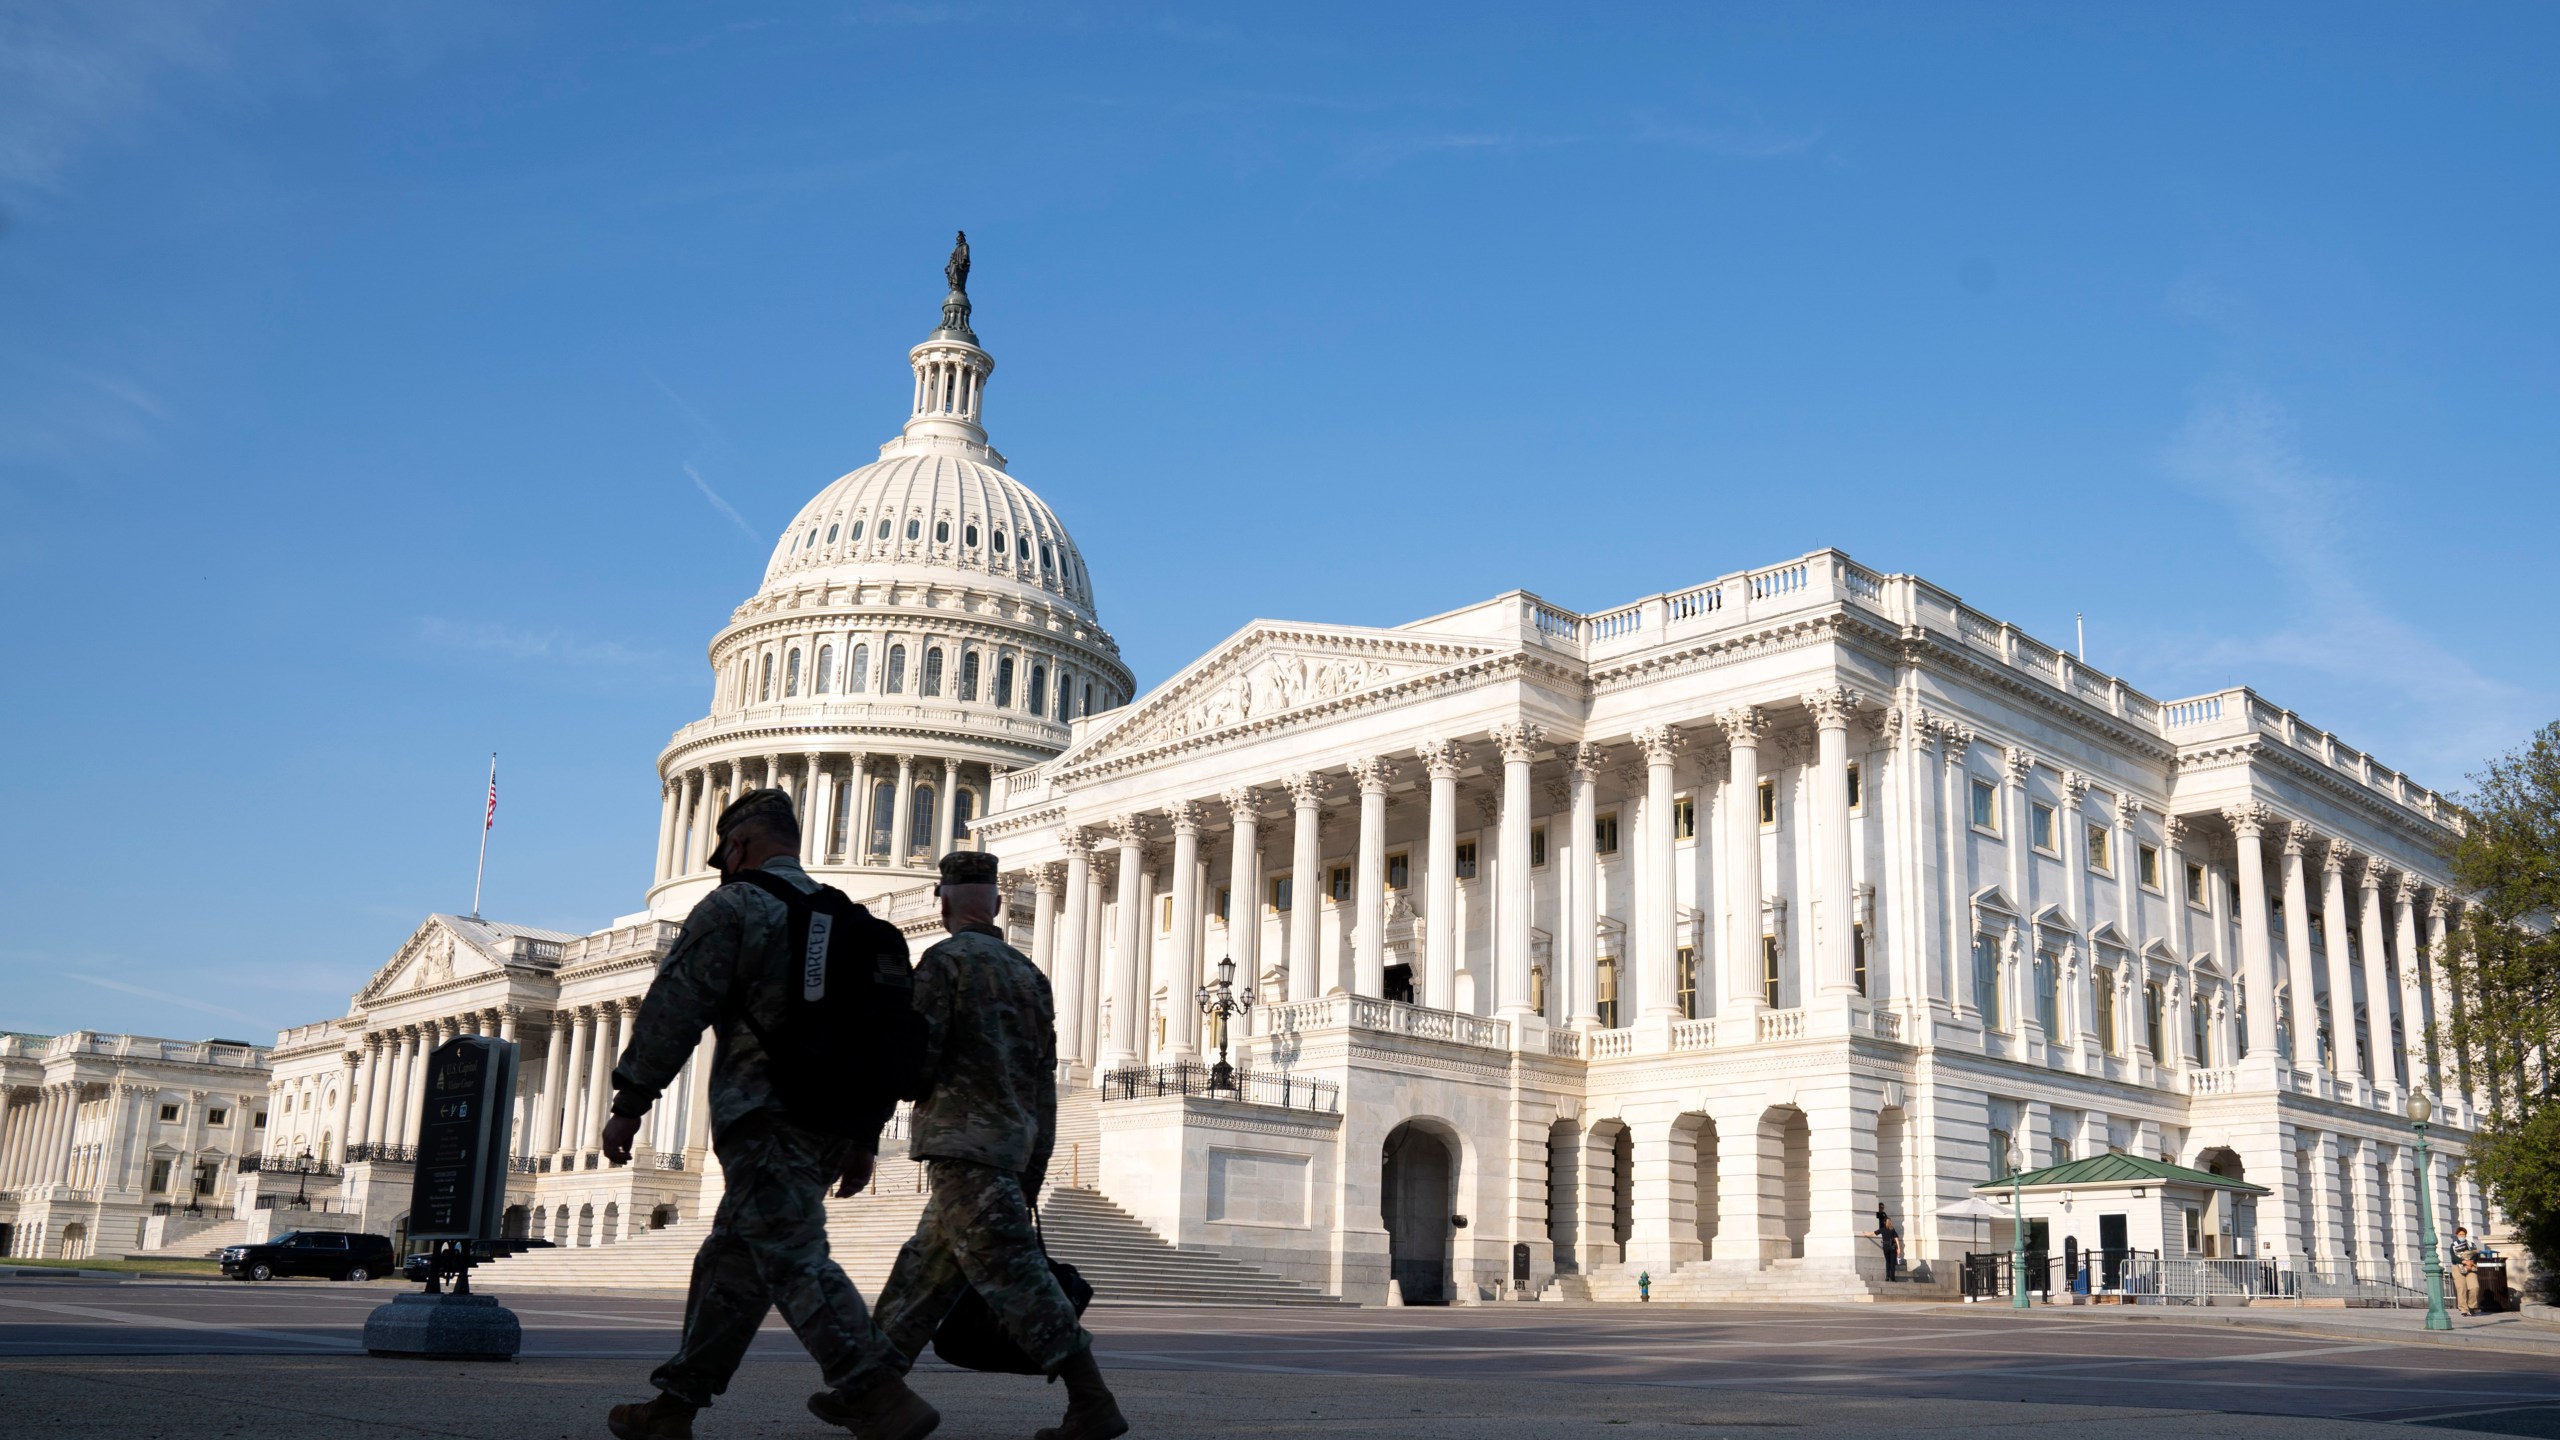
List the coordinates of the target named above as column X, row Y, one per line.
column 461, row 1185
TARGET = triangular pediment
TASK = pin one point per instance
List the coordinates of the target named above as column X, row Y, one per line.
column 1268, row 674
column 2108, row 934
column 436, row 953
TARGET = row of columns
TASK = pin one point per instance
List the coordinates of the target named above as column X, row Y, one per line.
column 1066, row 897
column 382, row 1079
column 35, row 1149
column 691, row 801
column 39, row 1144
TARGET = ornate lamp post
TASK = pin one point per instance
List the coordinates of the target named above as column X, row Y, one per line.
column 1219, row 1001
column 2422, row 1108
column 301, row 1185
column 2017, row 1229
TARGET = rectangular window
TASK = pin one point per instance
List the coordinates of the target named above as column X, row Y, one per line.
column 1466, row 859
column 2148, row 866
column 2003, row 1156
column 2155, row 1015
column 2061, row 1151
column 258, row 1121
column 1769, row 971
column 1684, row 818
column 2201, row 1035
column 1400, row 870
column 2048, row 994
column 1689, row 982
column 1537, row 847
column 1858, row 956
column 1604, row 833
column 168, row 1113
column 2195, row 1230
column 1607, row 988
column 1337, row 884
column 217, row 1117
column 1986, row 982
column 1164, row 914
column 1223, row 895
column 2040, row 832
column 1986, row 807
column 160, row 1177
column 1768, row 803
column 2100, row 858
column 1280, row 894
column 1857, row 789
column 2195, row 883
column 2106, row 998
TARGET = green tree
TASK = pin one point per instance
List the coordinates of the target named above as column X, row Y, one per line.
column 2505, row 971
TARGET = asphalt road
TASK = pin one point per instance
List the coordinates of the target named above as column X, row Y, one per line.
column 1870, row 1369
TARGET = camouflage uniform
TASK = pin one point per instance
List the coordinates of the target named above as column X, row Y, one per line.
column 768, row 1241
column 984, row 1133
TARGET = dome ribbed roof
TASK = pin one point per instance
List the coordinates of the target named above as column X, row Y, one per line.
column 933, row 508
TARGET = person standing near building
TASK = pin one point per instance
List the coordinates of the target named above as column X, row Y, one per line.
column 985, row 1131
column 2466, row 1270
column 735, row 967
column 1889, row 1240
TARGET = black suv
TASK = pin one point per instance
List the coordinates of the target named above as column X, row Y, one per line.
column 310, row 1252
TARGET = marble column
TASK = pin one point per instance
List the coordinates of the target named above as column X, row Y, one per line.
column 1437, row 985
column 697, row 1098
column 573, row 1085
column 2297, row 951
column 1743, row 730
column 857, row 810
column 902, row 812
column 1518, row 742
column 1182, row 1016
column 1306, row 885
column 1121, row 1048
column 2379, row 1052
column 2347, row 1048
column 813, row 820
column 1244, row 886
column 1656, row 927
column 1831, row 709
column 545, row 1139
column 349, row 1067
column 946, row 809
column 2257, row 950
column 1070, row 975
column 1044, row 923
column 401, row 1048
column 599, row 1097
column 667, row 806
column 1582, row 911
column 2444, row 1063
column 1098, row 888
column 1369, row 880
column 2404, row 948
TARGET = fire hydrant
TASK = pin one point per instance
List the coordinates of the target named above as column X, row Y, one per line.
column 1644, row 1285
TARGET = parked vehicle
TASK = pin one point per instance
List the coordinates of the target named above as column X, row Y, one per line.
column 310, row 1252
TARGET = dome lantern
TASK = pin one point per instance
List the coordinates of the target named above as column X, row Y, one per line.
column 951, row 371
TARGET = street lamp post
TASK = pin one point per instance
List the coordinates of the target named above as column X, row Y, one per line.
column 2017, row 1231
column 2422, row 1108
column 301, row 1185
column 1219, row 1001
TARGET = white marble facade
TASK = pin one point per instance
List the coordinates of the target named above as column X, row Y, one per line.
column 1673, row 937
column 99, row 1131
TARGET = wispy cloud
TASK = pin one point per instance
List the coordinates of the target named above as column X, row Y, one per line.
column 719, row 504
column 1737, row 140
column 170, row 997
column 2237, row 447
column 490, row 637
column 705, row 437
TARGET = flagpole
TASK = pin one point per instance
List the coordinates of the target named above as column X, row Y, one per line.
column 488, row 819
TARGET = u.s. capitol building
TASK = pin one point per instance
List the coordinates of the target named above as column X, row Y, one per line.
column 1675, row 938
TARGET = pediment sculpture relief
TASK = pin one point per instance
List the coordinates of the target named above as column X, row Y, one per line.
column 1269, row 685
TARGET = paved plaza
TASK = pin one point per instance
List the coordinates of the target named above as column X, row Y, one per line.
column 143, row 1358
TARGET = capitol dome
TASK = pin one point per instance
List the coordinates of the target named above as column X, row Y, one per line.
column 924, row 627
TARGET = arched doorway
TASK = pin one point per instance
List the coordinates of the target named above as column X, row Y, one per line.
column 1700, row 1131
column 517, row 1224
column 1786, row 1138
column 75, row 1241
column 1417, row 1186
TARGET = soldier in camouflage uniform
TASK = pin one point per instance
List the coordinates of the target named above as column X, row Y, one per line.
column 768, row 1242
column 985, row 1133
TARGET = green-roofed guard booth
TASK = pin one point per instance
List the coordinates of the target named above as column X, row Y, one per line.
column 2098, row 1213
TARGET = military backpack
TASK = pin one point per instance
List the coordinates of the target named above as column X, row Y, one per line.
column 849, row 1044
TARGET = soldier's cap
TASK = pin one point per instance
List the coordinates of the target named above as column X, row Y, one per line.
column 967, row 867
column 748, row 807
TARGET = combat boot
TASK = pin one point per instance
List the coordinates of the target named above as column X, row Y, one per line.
column 665, row 1418
column 887, row 1410
column 1091, row 1412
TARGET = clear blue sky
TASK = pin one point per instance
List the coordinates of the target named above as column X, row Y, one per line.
column 357, row 366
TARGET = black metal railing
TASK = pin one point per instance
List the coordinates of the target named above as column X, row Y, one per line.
column 670, row 1160
column 402, row 1154
column 1252, row 1087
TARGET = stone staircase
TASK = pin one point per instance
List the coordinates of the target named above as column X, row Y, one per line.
column 1128, row 1263
column 202, row 1241
column 1783, row 1282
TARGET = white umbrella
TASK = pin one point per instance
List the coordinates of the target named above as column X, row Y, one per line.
column 1974, row 1207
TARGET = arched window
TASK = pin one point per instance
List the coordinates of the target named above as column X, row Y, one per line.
column 932, row 672
column 826, row 669
column 1004, row 682
column 920, row 820
column 941, row 532
column 791, row 674
column 857, row 530
column 1022, row 548
column 765, row 692
column 831, row 534
column 969, row 675
column 861, row 671
column 964, row 803
column 1000, row 552
column 884, row 800
column 969, row 536
column 1044, row 555
column 1035, row 696
column 895, row 682
column 1088, row 697
column 1066, row 692
column 914, row 528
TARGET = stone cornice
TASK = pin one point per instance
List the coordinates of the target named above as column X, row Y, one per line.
column 790, row 737
column 1095, row 649
column 2257, row 753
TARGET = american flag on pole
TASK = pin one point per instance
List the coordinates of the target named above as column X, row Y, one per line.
column 490, row 817
column 488, row 820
